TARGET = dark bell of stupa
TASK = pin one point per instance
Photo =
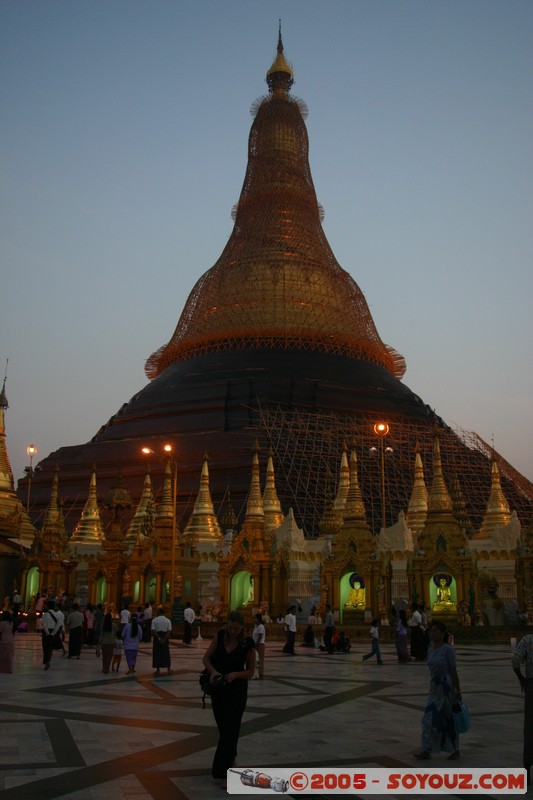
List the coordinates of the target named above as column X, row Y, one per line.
column 275, row 343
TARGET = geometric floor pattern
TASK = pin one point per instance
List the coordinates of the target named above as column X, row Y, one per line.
column 74, row 733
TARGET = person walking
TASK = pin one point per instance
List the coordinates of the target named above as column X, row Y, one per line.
column 106, row 641
column 259, row 635
column 523, row 654
column 290, row 629
column 89, row 624
column 230, row 661
column 329, row 629
column 131, row 636
column 374, row 641
column 147, row 622
column 7, row 642
column 161, row 630
column 438, row 726
column 118, row 649
column 75, row 631
column 402, row 634
column 125, row 617
column 188, row 618
column 50, row 631
column 418, row 633
column 98, row 622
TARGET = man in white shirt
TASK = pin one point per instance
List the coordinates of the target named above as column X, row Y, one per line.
column 51, row 627
column 290, row 627
column 125, row 617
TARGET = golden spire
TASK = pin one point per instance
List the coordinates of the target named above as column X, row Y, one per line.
column 143, row 519
column 227, row 517
column 165, row 509
column 277, row 284
column 203, row 522
column 498, row 513
column 272, row 507
column 439, row 500
column 53, row 535
column 280, row 76
column 52, row 514
column 417, row 509
column 89, row 530
column 254, row 505
column 6, row 474
column 354, row 507
column 344, row 483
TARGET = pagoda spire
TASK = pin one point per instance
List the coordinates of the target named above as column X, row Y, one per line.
column 354, row 507
column 277, row 284
column 498, row 513
column 254, row 506
column 52, row 514
column 439, row 500
column 6, row 474
column 271, row 505
column 417, row 509
column 280, row 76
column 165, row 509
column 89, row 530
column 344, row 482
column 53, row 536
column 203, row 523
column 143, row 520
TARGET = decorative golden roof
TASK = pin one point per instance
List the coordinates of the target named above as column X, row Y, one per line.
column 254, row 504
column 354, row 506
column 344, row 483
column 280, row 64
column 498, row 513
column 417, row 510
column 277, row 283
column 165, row 509
column 89, row 530
column 271, row 505
column 143, row 520
column 439, row 500
column 203, row 522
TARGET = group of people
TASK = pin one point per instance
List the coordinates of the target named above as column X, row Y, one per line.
column 232, row 659
column 111, row 637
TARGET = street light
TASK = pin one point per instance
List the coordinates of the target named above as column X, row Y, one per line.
column 31, row 451
column 168, row 450
column 381, row 429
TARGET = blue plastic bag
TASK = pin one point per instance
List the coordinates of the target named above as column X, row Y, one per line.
column 461, row 717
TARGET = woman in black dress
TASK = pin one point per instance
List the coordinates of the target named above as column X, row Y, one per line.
column 230, row 660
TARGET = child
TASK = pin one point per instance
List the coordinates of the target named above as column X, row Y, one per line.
column 374, row 638
column 117, row 654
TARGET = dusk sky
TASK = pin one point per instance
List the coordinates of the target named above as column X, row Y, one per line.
column 124, row 146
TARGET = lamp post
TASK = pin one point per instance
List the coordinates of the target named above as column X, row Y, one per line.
column 381, row 429
column 31, row 451
column 174, row 467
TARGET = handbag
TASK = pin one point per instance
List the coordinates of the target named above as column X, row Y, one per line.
column 207, row 687
column 461, row 717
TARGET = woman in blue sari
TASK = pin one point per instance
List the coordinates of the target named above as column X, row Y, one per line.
column 438, row 727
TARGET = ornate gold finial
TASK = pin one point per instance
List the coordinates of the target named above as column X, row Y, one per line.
column 277, row 74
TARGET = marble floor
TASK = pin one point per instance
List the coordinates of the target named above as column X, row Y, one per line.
column 75, row 733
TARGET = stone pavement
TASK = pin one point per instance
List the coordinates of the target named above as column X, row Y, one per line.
column 75, row 733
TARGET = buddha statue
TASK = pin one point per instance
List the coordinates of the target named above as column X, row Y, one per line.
column 444, row 600
column 356, row 598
